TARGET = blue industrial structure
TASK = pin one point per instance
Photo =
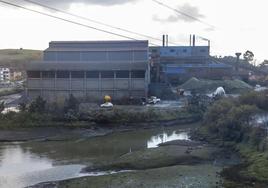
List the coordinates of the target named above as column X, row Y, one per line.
column 178, row 63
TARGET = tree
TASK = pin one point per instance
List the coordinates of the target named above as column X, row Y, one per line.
column 38, row 105
column 71, row 104
column 264, row 63
column 248, row 56
column 22, row 107
column 2, row 107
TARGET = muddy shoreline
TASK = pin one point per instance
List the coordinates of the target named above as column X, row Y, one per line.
column 146, row 168
column 169, row 158
column 62, row 133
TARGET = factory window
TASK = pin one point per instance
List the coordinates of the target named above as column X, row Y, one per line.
column 122, row 74
column 154, row 50
column 184, row 50
column 203, row 50
column 92, row 74
column 138, row 74
column 33, row 74
column 63, row 74
column 48, row 74
column 172, row 50
column 107, row 74
column 77, row 74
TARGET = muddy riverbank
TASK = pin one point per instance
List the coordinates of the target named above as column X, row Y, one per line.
column 27, row 163
column 177, row 163
column 166, row 166
column 151, row 156
column 87, row 130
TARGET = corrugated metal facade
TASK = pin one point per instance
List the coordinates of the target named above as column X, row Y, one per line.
column 91, row 70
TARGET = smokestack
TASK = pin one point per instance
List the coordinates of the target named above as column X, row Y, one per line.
column 190, row 40
column 238, row 54
column 164, row 40
column 193, row 40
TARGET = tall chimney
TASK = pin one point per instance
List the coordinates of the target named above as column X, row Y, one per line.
column 190, row 40
column 164, row 40
column 238, row 54
column 193, row 40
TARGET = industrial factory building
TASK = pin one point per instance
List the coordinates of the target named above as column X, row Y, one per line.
column 176, row 64
column 90, row 70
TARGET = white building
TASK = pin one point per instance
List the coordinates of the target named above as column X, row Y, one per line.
column 4, row 74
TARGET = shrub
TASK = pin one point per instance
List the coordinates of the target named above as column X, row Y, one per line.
column 71, row 104
column 2, row 107
column 260, row 99
column 38, row 105
column 228, row 120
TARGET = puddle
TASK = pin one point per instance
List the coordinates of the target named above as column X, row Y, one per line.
column 165, row 137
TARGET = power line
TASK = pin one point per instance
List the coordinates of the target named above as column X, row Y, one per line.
column 70, row 21
column 183, row 13
column 94, row 21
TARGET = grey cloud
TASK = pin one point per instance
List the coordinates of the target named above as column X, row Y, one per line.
column 209, row 29
column 187, row 9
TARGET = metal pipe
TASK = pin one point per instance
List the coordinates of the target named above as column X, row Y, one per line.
column 166, row 40
column 190, row 40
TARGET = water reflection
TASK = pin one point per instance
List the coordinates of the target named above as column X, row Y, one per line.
column 20, row 168
column 13, row 157
column 165, row 137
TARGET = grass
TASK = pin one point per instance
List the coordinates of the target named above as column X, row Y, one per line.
column 258, row 163
column 9, row 91
column 112, row 117
column 18, row 58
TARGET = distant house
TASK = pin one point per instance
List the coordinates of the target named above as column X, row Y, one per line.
column 15, row 75
column 90, row 69
column 4, row 74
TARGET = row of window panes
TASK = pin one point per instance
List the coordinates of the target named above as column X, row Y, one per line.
column 89, row 74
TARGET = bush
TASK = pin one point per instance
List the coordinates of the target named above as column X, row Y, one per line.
column 38, row 105
column 71, row 104
column 2, row 107
column 258, row 138
column 260, row 99
column 228, row 120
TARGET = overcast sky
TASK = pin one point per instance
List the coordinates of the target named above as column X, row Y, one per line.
column 240, row 25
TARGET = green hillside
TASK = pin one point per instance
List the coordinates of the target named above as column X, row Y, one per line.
column 18, row 58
